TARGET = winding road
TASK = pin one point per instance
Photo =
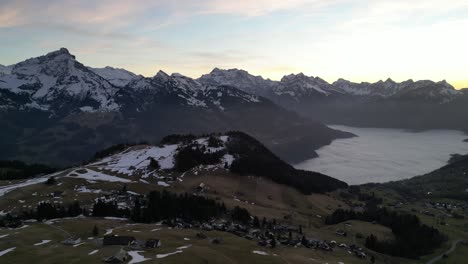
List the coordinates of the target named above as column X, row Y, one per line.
column 455, row 243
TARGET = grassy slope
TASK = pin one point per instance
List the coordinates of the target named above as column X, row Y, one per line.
column 232, row 250
column 264, row 198
column 454, row 229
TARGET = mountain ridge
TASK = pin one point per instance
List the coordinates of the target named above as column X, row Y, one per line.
column 55, row 103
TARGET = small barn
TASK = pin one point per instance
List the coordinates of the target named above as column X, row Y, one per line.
column 120, row 257
column 71, row 241
column 153, row 243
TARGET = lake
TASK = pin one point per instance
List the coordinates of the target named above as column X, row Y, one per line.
column 381, row 154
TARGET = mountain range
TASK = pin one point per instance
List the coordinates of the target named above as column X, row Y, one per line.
column 410, row 104
column 55, row 110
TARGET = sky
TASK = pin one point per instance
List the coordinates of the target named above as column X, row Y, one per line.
column 357, row 40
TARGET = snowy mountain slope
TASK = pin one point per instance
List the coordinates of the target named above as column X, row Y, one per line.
column 136, row 160
column 410, row 104
column 387, row 89
column 301, row 87
column 182, row 90
column 56, row 81
column 5, row 70
column 233, row 153
column 117, row 77
column 240, row 79
column 57, row 104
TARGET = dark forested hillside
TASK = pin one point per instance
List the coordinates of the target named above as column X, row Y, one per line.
column 251, row 157
column 450, row 181
column 15, row 170
column 256, row 159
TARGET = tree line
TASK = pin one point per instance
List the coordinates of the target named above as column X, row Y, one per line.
column 16, row 170
column 412, row 238
column 253, row 158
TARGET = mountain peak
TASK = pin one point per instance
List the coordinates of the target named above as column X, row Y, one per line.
column 162, row 76
column 294, row 77
column 60, row 52
column 445, row 84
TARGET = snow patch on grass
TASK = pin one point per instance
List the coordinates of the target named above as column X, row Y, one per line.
column 93, row 252
column 115, row 218
column 263, row 253
column 8, row 188
column 164, row 184
column 7, row 251
column 136, row 257
column 95, row 176
column 159, row 256
column 184, row 247
column 43, row 242
column 129, row 161
column 83, row 189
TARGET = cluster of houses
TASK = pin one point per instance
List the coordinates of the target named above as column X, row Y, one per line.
column 115, row 240
column 458, row 210
column 278, row 234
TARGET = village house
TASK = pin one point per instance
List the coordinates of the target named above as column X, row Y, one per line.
column 152, row 243
column 71, row 241
column 120, row 257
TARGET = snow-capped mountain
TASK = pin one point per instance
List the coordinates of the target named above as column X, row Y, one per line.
column 118, row 77
column 57, row 81
column 410, row 104
column 240, row 79
column 301, row 87
column 54, row 102
column 425, row 89
column 142, row 93
column 5, row 70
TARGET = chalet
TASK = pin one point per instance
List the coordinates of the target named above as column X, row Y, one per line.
column 152, row 243
column 343, row 245
column 207, row 227
column 340, row 232
column 360, row 254
column 71, row 241
column 114, row 240
column 120, row 257
column 219, row 227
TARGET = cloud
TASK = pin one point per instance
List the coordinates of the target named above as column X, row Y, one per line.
column 356, row 39
column 253, row 8
column 104, row 13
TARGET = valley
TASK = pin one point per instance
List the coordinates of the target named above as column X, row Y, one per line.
column 233, row 132
column 124, row 174
column 122, row 156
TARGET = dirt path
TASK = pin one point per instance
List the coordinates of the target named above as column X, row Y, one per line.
column 455, row 243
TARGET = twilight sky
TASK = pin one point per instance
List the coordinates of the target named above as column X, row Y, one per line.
column 359, row 40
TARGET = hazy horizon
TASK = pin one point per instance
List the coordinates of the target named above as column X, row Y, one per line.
column 195, row 77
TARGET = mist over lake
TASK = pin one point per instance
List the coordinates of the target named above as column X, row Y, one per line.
column 381, row 154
